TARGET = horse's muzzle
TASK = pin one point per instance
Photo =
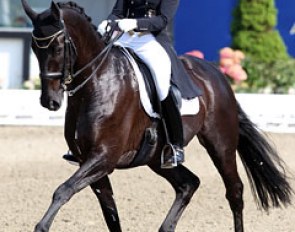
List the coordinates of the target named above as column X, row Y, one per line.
column 51, row 105
column 52, row 100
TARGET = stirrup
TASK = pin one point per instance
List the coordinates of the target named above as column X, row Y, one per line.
column 70, row 158
column 171, row 156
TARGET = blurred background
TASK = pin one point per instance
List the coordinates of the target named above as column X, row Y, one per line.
column 17, row 62
column 251, row 41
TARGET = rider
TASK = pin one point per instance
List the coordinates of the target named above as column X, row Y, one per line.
column 148, row 21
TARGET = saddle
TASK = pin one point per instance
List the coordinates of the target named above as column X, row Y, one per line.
column 150, row 84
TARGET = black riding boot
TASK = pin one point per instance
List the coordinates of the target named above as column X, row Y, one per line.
column 71, row 158
column 173, row 153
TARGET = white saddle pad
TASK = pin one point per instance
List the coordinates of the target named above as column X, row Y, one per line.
column 189, row 107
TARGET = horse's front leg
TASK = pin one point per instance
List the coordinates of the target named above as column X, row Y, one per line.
column 104, row 193
column 89, row 172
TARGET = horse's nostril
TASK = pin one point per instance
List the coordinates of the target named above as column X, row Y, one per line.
column 53, row 105
column 51, row 100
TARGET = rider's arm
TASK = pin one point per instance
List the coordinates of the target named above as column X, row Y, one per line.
column 159, row 22
column 119, row 11
column 165, row 14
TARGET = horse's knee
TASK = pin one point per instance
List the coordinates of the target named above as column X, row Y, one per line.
column 187, row 189
column 192, row 185
column 63, row 193
column 196, row 183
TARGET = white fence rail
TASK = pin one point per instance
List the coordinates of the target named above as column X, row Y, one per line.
column 22, row 107
column 275, row 113
column 271, row 112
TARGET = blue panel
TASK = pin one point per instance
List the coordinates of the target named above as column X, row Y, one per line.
column 205, row 25
column 286, row 19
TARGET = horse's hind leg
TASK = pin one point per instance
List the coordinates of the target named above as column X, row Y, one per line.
column 222, row 150
column 185, row 183
column 104, row 193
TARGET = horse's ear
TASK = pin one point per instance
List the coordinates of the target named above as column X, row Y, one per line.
column 29, row 11
column 55, row 10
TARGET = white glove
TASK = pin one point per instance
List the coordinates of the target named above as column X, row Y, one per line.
column 103, row 28
column 127, row 24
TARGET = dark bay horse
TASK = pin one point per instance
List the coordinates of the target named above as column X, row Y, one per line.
column 105, row 122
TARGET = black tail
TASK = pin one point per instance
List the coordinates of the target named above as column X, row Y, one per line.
column 264, row 167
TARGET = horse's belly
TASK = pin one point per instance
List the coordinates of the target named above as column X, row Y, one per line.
column 126, row 159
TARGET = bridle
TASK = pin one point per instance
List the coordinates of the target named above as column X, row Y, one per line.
column 70, row 54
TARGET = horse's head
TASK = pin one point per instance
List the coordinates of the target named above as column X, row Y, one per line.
column 55, row 52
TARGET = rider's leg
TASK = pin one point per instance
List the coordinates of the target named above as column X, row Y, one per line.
column 158, row 61
column 71, row 158
column 173, row 120
column 154, row 56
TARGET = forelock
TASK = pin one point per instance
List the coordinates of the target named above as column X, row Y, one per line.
column 46, row 25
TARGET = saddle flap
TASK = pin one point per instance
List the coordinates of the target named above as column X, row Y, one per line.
column 148, row 81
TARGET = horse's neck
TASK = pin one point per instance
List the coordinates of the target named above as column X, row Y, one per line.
column 87, row 41
column 103, row 97
column 88, row 47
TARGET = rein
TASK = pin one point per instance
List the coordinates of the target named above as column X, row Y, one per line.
column 105, row 52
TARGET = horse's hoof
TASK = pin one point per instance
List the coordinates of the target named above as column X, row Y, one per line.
column 41, row 228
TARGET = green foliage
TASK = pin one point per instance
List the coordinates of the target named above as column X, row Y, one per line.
column 274, row 77
column 268, row 65
column 253, row 30
column 256, row 15
column 34, row 83
column 266, row 47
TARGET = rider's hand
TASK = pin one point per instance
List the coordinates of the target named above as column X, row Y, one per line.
column 103, row 27
column 127, row 24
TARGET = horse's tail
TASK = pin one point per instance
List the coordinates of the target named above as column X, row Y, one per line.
column 263, row 166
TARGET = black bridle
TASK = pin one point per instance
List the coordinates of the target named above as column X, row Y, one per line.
column 70, row 54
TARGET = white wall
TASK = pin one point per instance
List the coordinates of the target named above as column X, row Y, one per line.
column 11, row 61
column 274, row 113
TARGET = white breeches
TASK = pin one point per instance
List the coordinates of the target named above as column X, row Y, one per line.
column 153, row 55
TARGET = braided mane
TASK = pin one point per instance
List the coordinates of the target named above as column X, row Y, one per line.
column 74, row 6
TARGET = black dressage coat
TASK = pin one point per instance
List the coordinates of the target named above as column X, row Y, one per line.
column 154, row 16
